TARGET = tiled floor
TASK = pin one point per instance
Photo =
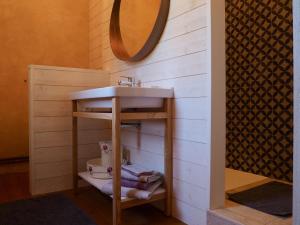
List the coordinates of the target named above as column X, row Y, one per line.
column 236, row 179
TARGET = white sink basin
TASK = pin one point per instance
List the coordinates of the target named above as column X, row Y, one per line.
column 130, row 97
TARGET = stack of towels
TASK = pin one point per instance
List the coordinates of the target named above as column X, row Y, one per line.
column 136, row 182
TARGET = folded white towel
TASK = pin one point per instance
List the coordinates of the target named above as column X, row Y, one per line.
column 137, row 170
column 146, row 179
column 132, row 192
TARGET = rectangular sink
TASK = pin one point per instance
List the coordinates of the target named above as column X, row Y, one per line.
column 130, row 97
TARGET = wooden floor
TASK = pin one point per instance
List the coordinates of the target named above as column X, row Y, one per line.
column 15, row 186
column 99, row 207
column 21, row 167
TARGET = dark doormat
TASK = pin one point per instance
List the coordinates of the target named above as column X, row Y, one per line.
column 273, row 198
column 49, row 210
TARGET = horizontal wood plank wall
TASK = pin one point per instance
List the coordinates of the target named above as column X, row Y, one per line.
column 51, row 126
column 180, row 61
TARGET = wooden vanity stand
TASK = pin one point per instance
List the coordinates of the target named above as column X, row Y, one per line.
column 117, row 115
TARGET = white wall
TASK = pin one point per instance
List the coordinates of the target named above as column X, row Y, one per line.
column 181, row 60
column 51, row 126
column 296, row 153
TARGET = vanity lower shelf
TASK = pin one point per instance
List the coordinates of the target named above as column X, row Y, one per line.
column 159, row 194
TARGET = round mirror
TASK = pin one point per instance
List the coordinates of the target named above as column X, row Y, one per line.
column 136, row 27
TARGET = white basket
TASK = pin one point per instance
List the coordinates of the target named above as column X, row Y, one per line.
column 96, row 170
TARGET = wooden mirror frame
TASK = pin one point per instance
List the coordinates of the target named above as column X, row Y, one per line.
column 116, row 41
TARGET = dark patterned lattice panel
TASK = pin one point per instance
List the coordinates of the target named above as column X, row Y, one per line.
column 260, row 87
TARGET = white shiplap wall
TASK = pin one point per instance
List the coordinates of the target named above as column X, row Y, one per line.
column 181, row 60
column 51, row 125
column 296, row 179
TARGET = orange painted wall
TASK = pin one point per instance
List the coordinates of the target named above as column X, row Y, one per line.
column 45, row 32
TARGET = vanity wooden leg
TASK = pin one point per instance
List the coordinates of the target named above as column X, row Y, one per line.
column 168, row 157
column 116, row 143
column 75, row 149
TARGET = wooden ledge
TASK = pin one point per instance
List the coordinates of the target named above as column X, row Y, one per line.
column 123, row 116
column 144, row 116
column 103, row 116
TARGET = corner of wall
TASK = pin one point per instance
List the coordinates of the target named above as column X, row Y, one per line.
column 218, row 102
column 296, row 153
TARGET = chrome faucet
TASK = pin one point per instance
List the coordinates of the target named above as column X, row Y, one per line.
column 130, row 82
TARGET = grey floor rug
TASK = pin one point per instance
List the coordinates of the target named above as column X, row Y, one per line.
column 273, row 198
column 48, row 210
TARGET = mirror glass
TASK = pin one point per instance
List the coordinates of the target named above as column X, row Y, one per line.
column 137, row 19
